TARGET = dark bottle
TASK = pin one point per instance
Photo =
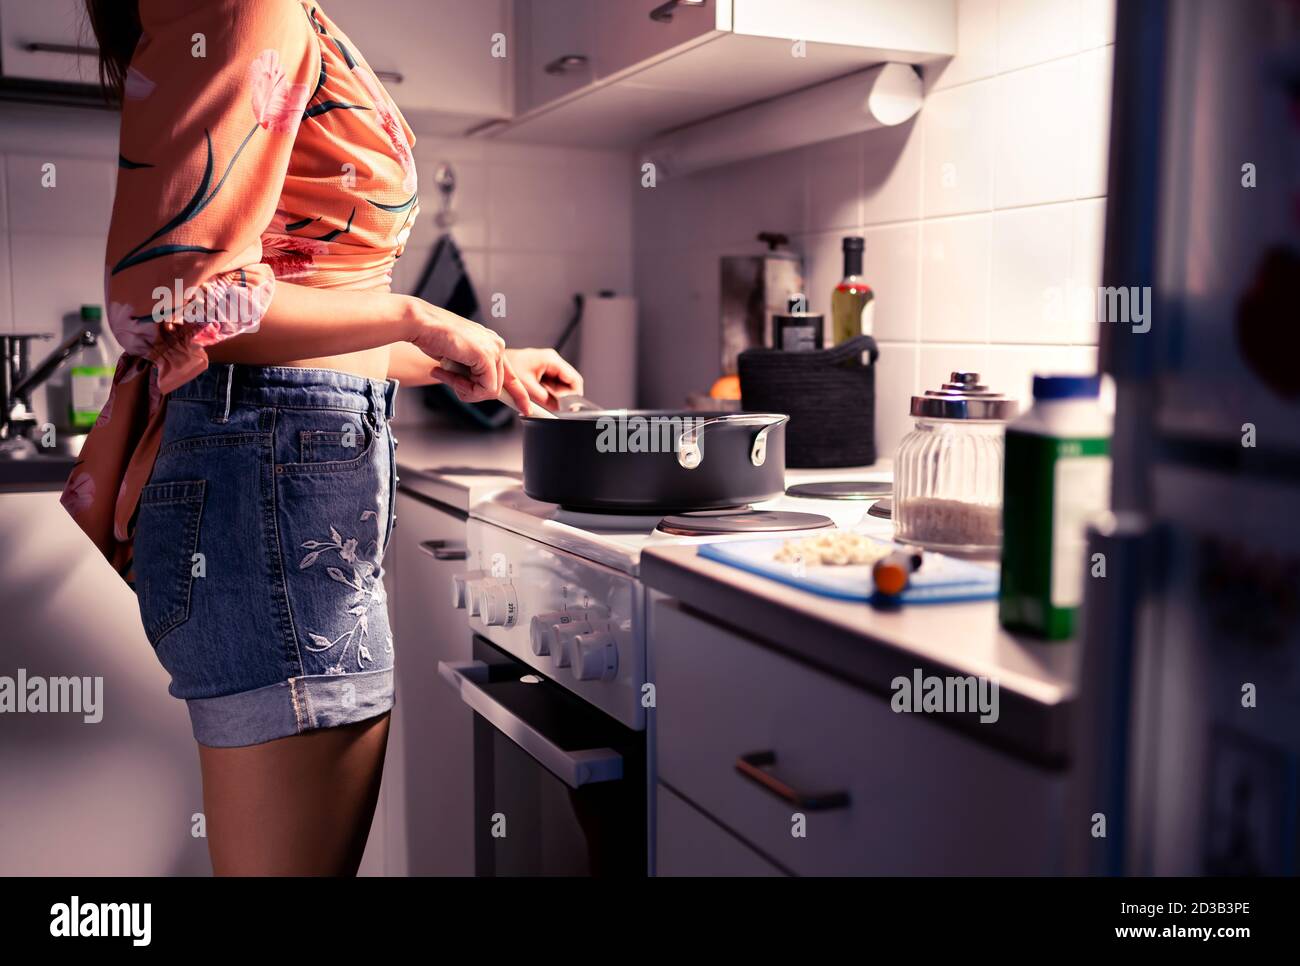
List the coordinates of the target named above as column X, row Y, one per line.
column 852, row 302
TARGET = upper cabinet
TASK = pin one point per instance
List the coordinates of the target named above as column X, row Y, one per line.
column 437, row 58
column 47, row 41
column 613, row 73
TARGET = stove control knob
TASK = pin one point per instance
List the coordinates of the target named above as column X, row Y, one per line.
column 595, row 656
column 499, row 606
column 562, row 643
column 460, row 595
column 542, row 628
column 474, row 596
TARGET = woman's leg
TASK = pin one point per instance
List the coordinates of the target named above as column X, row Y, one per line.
column 294, row 806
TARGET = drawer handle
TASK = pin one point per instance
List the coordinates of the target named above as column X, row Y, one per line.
column 565, row 63
column 664, row 12
column 439, row 550
column 752, row 767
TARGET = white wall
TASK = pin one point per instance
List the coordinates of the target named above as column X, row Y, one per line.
column 535, row 223
column 982, row 217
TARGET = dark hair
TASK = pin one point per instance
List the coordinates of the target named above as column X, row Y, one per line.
column 116, row 24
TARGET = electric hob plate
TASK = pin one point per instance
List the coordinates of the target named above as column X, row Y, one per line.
column 741, row 521
column 842, row 490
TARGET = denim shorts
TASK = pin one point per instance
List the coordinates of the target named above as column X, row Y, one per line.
column 258, row 543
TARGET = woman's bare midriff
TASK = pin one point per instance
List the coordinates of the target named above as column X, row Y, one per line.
column 369, row 363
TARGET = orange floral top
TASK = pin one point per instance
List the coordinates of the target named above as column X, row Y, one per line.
column 256, row 144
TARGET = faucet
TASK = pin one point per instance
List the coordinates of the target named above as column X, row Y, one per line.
column 16, row 383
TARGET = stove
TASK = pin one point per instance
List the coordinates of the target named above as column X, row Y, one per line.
column 558, row 589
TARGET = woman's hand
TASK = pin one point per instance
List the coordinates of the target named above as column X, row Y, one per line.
column 440, row 334
column 545, row 374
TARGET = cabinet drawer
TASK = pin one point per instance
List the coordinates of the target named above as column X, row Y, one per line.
column 920, row 798
column 430, row 778
column 689, row 843
column 626, row 34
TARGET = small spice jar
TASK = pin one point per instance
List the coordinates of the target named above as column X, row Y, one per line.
column 948, row 472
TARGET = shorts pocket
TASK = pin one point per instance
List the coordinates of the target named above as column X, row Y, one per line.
column 332, row 450
column 166, row 540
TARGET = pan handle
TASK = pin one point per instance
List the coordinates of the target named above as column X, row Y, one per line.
column 689, row 454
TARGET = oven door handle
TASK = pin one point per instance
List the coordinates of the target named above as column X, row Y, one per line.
column 574, row 768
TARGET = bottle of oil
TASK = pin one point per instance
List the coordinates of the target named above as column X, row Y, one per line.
column 852, row 302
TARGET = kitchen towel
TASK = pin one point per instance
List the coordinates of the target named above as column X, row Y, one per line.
column 607, row 350
column 447, row 284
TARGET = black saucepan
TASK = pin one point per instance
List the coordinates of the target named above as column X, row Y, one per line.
column 652, row 460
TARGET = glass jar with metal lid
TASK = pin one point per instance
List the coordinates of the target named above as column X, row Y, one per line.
column 948, row 472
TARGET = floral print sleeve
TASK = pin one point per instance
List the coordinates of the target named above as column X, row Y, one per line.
column 235, row 113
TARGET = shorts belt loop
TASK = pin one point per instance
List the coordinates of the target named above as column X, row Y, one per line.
column 229, row 380
column 390, row 398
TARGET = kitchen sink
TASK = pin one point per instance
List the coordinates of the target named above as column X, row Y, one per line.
column 34, row 471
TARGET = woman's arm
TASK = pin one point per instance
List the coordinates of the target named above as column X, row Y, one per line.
column 543, row 372
column 302, row 321
column 336, row 321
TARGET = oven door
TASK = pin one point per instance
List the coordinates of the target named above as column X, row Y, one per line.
column 559, row 787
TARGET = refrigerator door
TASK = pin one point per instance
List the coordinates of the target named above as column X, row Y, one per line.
column 1192, row 688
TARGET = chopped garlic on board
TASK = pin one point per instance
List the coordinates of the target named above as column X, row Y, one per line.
column 834, row 547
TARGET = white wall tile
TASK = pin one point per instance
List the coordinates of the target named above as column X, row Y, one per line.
column 823, row 267
column 595, row 272
column 891, row 173
column 1031, row 275
column 939, row 362
column 955, row 279
column 1094, row 91
column 1037, row 134
column 537, row 295
column 977, row 44
column 1088, row 231
column 469, row 204
column 891, row 264
column 79, row 203
column 602, row 205
column 1096, row 23
column 895, row 387
column 525, row 212
column 1011, row 368
column 958, row 172
column 1033, row 31
column 834, row 173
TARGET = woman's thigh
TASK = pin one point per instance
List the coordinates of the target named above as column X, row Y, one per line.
column 300, row 805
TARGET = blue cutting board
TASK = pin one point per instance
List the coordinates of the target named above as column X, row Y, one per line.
column 940, row 579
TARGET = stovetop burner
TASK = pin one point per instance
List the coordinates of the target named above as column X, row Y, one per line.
column 631, row 522
column 742, row 520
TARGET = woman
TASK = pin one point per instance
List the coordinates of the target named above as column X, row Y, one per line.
column 241, row 474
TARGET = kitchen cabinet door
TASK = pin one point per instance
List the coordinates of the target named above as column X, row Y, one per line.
column 56, row 29
column 116, row 792
column 556, row 49
column 627, row 34
column 429, row 793
column 743, row 730
column 689, row 843
column 435, row 57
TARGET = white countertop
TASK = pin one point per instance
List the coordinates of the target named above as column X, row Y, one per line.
column 456, row 466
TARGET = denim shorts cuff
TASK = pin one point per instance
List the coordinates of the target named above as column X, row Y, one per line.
column 290, row 707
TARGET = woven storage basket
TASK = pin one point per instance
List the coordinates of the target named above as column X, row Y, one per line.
column 829, row 394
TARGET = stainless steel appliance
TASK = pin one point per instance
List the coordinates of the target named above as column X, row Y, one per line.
column 1192, row 640
column 558, row 681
